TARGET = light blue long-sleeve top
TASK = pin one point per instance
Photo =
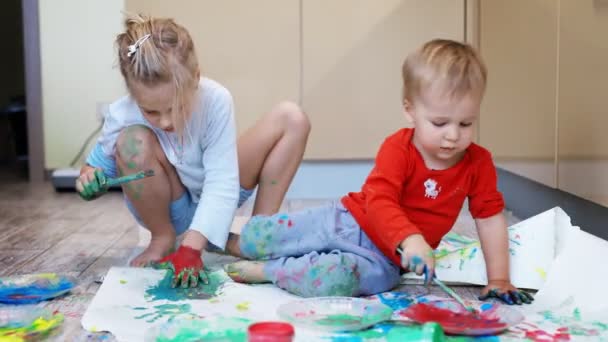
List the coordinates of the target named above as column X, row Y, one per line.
column 206, row 164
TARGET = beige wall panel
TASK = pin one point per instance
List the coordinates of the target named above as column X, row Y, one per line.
column 251, row 47
column 519, row 45
column 583, row 89
column 583, row 110
column 352, row 56
column 78, row 71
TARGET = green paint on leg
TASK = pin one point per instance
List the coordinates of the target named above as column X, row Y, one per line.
column 138, row 188
column 131, row 147
column 131, row 165
column 134, row 190
column 163, row 289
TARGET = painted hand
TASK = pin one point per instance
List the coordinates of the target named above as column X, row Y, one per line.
column 418, row 257
column 187, row 266
column 91, row 184
column 506, row 292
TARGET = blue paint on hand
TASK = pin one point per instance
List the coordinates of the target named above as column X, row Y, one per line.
column 505, row 297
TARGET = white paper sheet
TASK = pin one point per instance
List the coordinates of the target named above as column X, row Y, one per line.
column 121, row 307
column 577, row 280
column 533, row 245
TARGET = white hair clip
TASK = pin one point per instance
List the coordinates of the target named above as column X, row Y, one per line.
column 133, row 47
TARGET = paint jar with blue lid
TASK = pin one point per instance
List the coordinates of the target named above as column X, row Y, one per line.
column 270, row 332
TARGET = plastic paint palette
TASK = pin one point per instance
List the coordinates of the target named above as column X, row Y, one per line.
column 335, row 314
column 27, row 323
column 33, row 288
column 491, row 319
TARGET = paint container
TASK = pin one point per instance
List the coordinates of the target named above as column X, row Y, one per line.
column 270, row 332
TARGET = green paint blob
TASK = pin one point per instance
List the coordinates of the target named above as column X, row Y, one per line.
column 190, row 330
column 428, row 332
column 163, row 289
column 161, row 311
column 395, row 331
column 600, row 325
column 576, row 314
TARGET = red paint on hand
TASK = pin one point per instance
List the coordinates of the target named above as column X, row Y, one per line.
column 450, row 320
column 185, row 259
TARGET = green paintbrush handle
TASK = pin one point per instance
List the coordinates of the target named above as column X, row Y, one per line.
column 453, row 294
column 130, row 178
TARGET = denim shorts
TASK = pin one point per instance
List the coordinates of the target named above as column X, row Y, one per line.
column 182, row 210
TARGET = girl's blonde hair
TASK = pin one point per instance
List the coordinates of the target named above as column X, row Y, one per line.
column 166, row 55
column 452, row 68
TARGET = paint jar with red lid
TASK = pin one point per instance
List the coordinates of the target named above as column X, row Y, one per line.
column 270, row 332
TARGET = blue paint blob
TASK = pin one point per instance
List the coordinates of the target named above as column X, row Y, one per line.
column 486, row 306
column 395, row 300
column 33, row 288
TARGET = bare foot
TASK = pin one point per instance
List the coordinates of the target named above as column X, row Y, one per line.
column 245, row 271
column 232, row 245
column 158, row 248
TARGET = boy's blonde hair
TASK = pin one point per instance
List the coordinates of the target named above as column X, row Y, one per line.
column 452, row 68
column 166, row 55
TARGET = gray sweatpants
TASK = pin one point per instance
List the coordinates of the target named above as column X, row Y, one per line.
column 318, row 252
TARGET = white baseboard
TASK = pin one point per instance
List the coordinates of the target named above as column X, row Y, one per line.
column 328, row 179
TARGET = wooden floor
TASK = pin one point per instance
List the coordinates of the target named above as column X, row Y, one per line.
column 45, row 231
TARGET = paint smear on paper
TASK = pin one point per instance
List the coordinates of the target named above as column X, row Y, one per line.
column 395, row 300
column 160, row 311
column 455, row 322
column 163, row 289
column 244, row 306
column 541, row 272
column 217, row 329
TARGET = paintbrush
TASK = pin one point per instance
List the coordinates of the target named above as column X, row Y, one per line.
column 454, row 295
column 446, row 289
column 129, row 178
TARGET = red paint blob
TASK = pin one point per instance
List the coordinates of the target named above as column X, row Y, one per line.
column 454, row 322
column 540, row 335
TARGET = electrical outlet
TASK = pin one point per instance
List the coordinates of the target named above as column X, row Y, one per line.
column 101, row 110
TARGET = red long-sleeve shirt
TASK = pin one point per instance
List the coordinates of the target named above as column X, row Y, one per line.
column 401, row 196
